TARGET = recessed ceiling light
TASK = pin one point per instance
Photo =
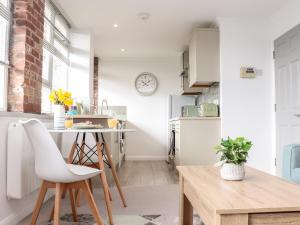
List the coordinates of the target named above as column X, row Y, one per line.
column 116, row 25
column 122, row 49
column 144, row 16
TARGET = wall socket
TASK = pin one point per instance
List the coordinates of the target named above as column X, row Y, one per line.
column 247, row 72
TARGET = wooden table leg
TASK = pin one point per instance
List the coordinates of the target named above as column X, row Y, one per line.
column 113, row 170
column 71, row 154
column 70, row 158
column 81, row 156
column 186, row 208
column 104, row 180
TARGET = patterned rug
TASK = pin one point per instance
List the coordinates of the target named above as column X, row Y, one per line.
column 87, row 219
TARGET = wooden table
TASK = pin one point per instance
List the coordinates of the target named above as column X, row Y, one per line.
column 78, row 155
column 260, row 199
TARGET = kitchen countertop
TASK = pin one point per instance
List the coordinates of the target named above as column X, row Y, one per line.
column 87, row 116
column 195, row 118
column 93, row 116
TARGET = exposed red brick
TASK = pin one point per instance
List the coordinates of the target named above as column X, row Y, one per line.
column 26, row 55
column 95, row 84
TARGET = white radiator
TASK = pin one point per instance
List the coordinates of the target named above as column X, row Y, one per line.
column 21, row 178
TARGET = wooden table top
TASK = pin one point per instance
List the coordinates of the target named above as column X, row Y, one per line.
column 258, row 192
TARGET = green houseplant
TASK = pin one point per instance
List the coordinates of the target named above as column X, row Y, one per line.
column 234, row 153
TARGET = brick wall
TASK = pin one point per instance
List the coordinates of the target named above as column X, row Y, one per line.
column 95, row 82
column 26, row 55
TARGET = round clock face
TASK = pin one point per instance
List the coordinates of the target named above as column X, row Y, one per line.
column 146, row 83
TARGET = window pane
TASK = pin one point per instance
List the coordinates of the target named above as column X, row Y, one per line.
column 3, row 39
column 48, row 11
column 46, row 105
column 2, row 87
column 46, row 64
column 61, row 25
column 60, row 74
column 61, row 48
column 4, row 2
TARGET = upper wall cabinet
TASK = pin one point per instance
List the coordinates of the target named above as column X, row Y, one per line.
column 204, row 57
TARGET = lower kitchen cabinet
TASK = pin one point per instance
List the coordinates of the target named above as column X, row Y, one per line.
column 195, row 139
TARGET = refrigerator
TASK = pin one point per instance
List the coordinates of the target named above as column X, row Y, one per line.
column 175, row 103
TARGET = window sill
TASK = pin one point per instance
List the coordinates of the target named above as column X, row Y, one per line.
column 25, row 115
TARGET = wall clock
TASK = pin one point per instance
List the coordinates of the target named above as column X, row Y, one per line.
column 146, row 83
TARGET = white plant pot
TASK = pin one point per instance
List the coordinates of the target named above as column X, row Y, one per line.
column 230, row 171
column 59, row 116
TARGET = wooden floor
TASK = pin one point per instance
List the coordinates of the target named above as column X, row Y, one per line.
column 147, row 173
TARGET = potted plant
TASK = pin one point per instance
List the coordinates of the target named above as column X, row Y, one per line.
column 61, row 99
column 234, row 153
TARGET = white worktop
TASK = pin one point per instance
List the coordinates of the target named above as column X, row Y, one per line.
column 195, row 118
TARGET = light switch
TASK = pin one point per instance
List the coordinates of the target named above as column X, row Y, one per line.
column 247, row 72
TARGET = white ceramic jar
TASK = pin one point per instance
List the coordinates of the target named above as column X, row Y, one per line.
column 230, row 171
column 59, row 116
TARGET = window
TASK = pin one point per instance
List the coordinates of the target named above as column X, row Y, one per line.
column 55, row 53
column 4, row 40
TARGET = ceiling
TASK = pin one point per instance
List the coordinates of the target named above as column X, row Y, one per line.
column 165, row 33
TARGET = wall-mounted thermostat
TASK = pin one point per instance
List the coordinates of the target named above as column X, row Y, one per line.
column 247, row 72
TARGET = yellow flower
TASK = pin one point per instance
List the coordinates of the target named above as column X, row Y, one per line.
column 68, row 102
column 61, row 97
column 52, row 97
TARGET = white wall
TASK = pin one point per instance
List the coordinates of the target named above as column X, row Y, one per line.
column 247, row 104
column 81, row 66
column 149, row 115
column 12, row 211
column 285, row 19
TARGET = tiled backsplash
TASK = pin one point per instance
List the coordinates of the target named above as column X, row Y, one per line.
column 210, row 95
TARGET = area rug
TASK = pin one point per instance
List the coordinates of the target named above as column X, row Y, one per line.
column 147, row 205
column 87, row 219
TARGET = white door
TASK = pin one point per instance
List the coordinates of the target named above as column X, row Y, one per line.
column 287, row 75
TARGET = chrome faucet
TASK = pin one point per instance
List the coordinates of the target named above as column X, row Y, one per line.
column 102, row 104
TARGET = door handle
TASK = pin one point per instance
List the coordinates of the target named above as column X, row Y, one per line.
column 297, row 115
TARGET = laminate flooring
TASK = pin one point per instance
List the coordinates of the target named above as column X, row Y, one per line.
column 147, row 173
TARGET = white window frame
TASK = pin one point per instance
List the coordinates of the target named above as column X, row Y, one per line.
column 6, row 62
column 49, row 46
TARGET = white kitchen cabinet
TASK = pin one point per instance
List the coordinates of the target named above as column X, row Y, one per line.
column 204, row 57
column 195, row 140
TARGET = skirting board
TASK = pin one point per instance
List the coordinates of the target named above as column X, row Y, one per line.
column 144, row 158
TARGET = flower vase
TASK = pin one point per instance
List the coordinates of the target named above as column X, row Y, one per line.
column 59, row 117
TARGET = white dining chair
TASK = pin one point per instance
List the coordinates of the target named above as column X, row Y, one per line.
column 55, row 173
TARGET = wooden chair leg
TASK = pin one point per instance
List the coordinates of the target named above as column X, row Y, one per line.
column 77, row 197
column 39, row 203
column 64, row 190
column 58, row 193
column 73, row 207
column 92, row 203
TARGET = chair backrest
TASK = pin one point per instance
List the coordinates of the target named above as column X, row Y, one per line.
column 49, row 163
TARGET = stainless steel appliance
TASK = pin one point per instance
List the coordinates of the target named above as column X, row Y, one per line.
column 122, row 142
